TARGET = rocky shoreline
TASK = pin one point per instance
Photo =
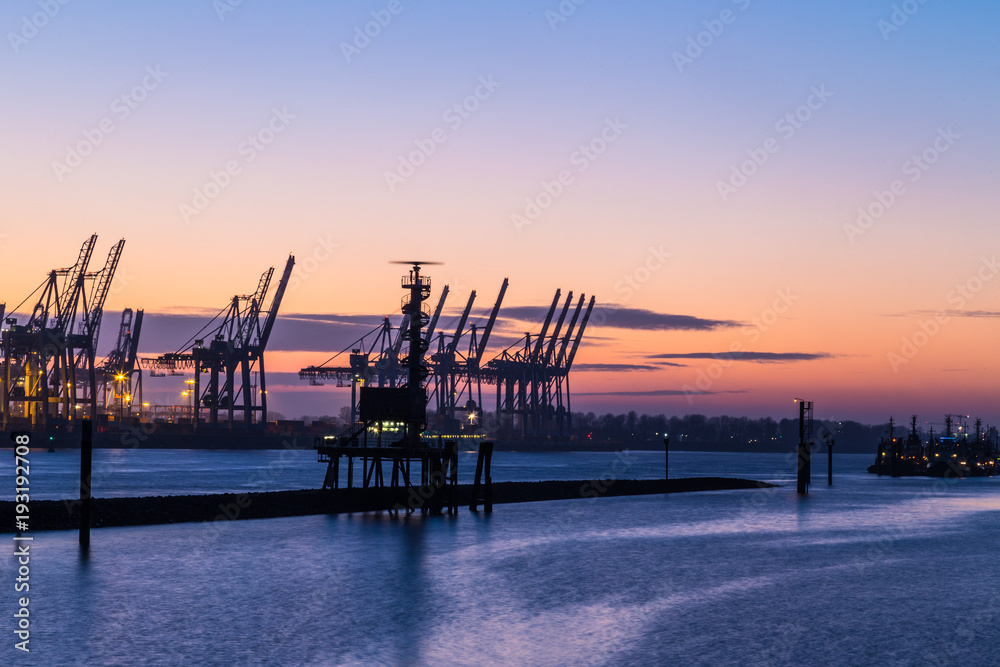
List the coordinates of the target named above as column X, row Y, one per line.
column 111, row 512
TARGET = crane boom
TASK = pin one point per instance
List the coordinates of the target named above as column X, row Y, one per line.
column 493, row 318
column 561, row 356
column 74, row 285
column 404, row 324
column 545, row 328
column 555, row 334
column 461, row 324
column 272, row 313
column 579, row 334
column 248, row 322
column 437, row 314
column 133, row 348
column 65, row 301
column 95, row 309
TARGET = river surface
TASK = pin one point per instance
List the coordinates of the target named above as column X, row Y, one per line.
column 157, row 472
column 868, row 571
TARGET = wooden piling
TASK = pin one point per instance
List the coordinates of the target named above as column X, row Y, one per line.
column 829, row 461
column 805, row 444
column 803, row 469
column 86, row 460
column 666, row 458
column 436, row 481
column 483, row 489
column 453, row 465
column 476, row 482
column 487, row 465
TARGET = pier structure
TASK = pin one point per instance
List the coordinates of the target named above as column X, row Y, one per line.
column 830, row 442
column 391, row 388
column 391, row 422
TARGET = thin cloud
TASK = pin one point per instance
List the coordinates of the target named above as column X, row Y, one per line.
column 988, row 314
column 352, row 320
column 973, row 313
column 620, row 317
column 615, row 367
column 756, row 357
column 658, row 392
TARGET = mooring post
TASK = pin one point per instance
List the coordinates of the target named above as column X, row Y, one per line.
column 894, row 448
column 437, row 483
column 666, row 458
column 86, row 458
column 453, row 465
column 805, row 445
column 479, row 476
column 829, row 461
column 487, row 465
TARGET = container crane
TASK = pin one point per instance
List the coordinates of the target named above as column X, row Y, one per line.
column 237, row 343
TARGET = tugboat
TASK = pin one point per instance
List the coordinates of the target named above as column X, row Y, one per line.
column 899, row 458
column 948, row 456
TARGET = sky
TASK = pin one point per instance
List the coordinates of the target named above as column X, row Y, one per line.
column 768, row 200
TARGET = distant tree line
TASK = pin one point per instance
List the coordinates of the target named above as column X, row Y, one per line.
column 698, row 432
column 722, row 433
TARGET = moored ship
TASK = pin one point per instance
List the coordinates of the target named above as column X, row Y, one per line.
column 960, row 453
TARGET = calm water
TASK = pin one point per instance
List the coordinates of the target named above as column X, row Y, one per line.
column 153, row 472
column 871, row 571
